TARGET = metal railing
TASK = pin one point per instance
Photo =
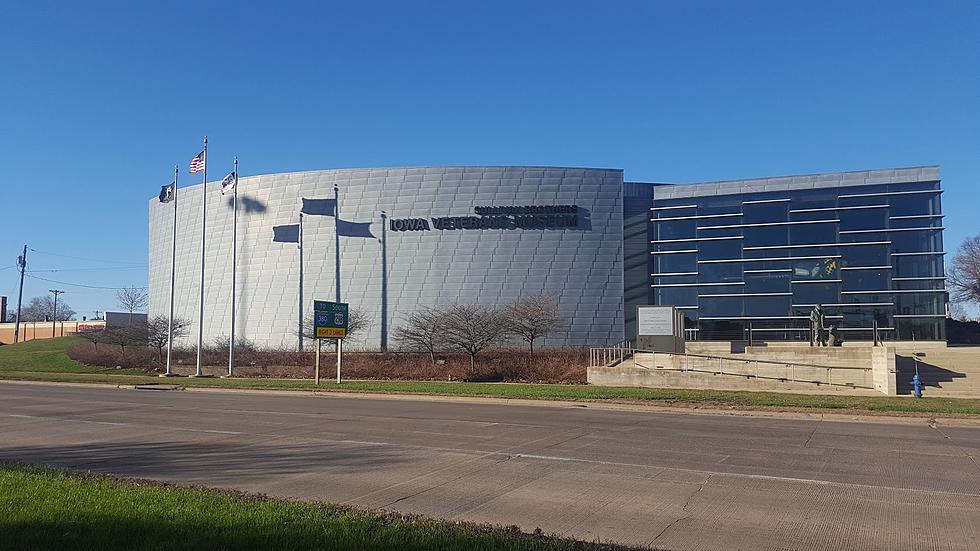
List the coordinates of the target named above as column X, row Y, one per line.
column 745, row 368
column 610, row 355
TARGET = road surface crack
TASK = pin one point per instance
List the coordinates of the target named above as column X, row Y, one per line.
column 935, row 426
column 687, row 514
column 447, row 482
column 814, row 431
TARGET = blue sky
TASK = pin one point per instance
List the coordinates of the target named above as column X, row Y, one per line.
column 100, row 99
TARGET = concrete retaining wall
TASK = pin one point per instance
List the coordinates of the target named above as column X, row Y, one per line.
column 759, row 368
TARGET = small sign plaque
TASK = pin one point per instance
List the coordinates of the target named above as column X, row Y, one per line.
column 655, row 321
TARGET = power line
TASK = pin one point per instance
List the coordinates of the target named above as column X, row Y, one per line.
column 103, row 269
column 85, row 258
column 82, row 285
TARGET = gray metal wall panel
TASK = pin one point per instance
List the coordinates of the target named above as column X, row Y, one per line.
column 582, row 267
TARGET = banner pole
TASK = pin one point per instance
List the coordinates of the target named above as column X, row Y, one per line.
column 173, row 279
column 234, row 274
column 204, row 232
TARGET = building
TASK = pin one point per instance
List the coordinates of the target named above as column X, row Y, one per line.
column 408, row 237
column 733, row 255
column 760, row 254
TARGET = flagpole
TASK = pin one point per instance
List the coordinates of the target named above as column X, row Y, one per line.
column 234, row 273
column 336, row 231
column 204, row 233
column 173, row 279
column 301, row 281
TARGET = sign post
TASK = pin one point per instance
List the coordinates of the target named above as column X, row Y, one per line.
column 316, row 365
column 330, row 321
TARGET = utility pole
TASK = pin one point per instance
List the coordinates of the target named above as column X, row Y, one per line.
column 22, row 262
column 54, row 315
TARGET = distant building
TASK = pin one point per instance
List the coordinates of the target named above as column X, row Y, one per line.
column 123, row 319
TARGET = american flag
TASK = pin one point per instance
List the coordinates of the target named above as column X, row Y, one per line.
column 198, row 162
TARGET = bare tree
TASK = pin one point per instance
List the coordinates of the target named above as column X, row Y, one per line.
column 471, row 328
column 132, row 299
column 957, row 311
column 963, row 275
column 531, row 318
column 158, row 332
column 41, row 308
column 131, row 335
column 423, row 331
column 358, row 321
column 94, row 337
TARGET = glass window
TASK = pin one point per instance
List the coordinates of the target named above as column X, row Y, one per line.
column 721, row 330
column 921, row 329
column 865, row 316
column 708, row 289
column 767, row 306
column 916, row 241
column 814, row 199
column 916, row 203
column 863, row 219
column 931, row 222
column 677, row 296
column 760, row 213
column 864, row 237
column 867, row 196
column 674, row 263
column 816, row 268
column 918, row 266
column 925, row 303
column 765, row 253
column 773, row 282
column 674, row 280
column 766, row 236
column 865, row 255
column 721, row 249
column 816, row 293
column 720, row 307
column 723, row 272
column 866, row 280
column 921, row 284
column 679, row 246
column 814, row 251
column 730, row 204
column 706, row 231
column 676, row 229
column 813, row 234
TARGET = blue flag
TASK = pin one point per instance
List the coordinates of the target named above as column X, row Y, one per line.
column 288, row 233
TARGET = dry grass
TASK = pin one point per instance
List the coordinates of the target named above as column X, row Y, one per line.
column 565, row 366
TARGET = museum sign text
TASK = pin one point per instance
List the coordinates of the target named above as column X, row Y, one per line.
column 504, row 218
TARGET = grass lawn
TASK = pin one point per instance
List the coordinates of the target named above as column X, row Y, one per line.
column 43, row 508
column 46, row 361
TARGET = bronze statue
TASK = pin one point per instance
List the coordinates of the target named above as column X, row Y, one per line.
column 817, row 336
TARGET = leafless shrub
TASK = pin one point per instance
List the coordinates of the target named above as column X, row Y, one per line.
column 471, row 328
column 94, row 337
column 531, row 318
column 964, row 272
column 132, row 335
column 422, row 331
column 158, row 331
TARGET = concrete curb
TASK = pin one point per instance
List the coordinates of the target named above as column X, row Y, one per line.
column 800, row 415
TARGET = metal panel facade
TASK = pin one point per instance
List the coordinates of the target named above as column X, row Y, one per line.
column 583, row 266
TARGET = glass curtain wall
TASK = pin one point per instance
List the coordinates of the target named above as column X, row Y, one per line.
column 870, row 255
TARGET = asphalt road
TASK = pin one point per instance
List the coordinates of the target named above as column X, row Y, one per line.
column 668, row 480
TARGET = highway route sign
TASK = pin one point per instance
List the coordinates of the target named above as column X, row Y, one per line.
column 330, row 319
